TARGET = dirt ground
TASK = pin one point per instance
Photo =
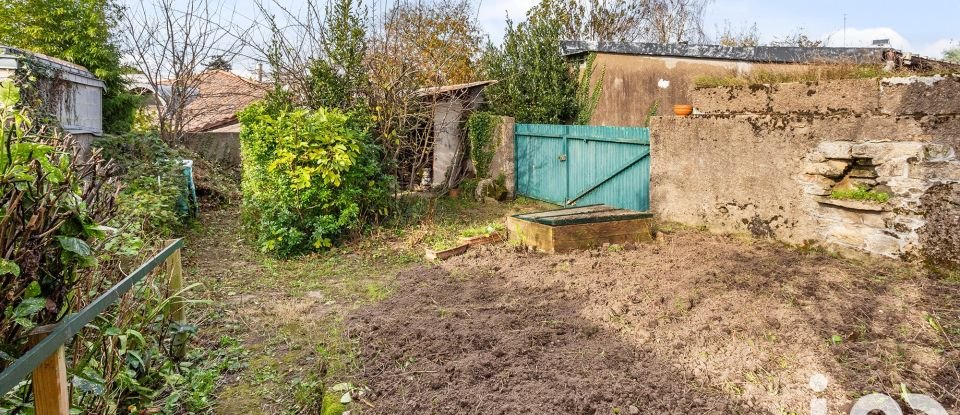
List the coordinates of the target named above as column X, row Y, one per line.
column 694, row 323
column 691, row 323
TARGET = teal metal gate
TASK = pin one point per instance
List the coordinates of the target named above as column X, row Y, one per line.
column 584, row 165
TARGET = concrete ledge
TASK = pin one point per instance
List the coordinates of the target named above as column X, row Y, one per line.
column 858, row 96
column 732, row 100
column 933, row 95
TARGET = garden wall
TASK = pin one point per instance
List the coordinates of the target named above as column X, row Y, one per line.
column 220, row 147
column 768, row 159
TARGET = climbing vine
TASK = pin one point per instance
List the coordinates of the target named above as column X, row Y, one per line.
column 480, row 128
column 588, row 93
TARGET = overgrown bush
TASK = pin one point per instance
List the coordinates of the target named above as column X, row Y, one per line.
column 537, row 84
column 309, row 176
column 58, row 256
column 152, row 201
column 47, row 195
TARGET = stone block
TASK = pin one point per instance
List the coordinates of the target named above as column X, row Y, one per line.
column 881, row 152
column 835, row 149
column 882, row 244
column 863, row 173
column 859, row 96
column 817, row 185
column 849, row 235
column 829, row 168
column 935, row 153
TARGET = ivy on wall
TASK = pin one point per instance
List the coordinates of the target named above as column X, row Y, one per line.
column 480, row 129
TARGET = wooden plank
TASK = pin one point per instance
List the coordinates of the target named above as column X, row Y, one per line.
column 566, row 211
column 603, row 229
column 606, row 216
column 178, row 343
column 445, row 254
column 50, row 388
column 531, row 234
column 554, row 239
column 573, row 245
column 175, row 274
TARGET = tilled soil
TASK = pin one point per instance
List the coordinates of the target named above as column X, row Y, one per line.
column 692, row 323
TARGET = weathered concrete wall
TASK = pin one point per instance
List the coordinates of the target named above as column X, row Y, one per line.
column 504, row 158
column 765, row 160
column 632, row 84
column 223, row 148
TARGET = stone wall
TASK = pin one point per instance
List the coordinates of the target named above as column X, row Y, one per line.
column 769, row 159
column 504, row 158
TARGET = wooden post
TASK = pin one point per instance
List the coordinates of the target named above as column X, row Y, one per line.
column 175, row 273
column 51, row 394
column 178, row 344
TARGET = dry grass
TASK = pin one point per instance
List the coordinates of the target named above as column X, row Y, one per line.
column 815, row 73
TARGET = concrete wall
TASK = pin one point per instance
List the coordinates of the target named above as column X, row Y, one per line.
column 765, row 159
column 220, row 147
column 632, row 84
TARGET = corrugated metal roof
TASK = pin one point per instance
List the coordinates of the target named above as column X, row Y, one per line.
column 9, row 59
column 450, row 88
column 767, row 54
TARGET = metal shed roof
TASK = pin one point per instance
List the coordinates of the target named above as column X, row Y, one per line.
column 766, row 54
column 10, row 56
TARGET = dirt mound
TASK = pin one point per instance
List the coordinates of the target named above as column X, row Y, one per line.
column 442, row 344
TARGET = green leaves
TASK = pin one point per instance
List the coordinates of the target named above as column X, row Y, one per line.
column 308, row 176
column 9, row 267
column 9, row 94
column 32, row 303
column 75, row 246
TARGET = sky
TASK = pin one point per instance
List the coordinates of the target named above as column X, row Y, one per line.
column 926, row 27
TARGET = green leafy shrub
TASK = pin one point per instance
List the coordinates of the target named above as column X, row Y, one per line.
column 862, row 193
column 46, row 222
column 309, row 176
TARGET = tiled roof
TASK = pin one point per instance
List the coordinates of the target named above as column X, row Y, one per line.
column 221, row 95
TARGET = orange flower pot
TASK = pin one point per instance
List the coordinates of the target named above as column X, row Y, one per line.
column 683, row 110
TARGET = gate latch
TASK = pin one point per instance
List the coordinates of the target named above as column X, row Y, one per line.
column 563, row 157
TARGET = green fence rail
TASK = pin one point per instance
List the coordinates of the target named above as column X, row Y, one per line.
column 73, row 323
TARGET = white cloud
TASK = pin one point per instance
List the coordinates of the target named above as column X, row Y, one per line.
column 935, row 49
column 864, row 37
column 854, row 37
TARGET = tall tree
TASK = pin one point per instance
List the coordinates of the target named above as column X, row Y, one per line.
column 537, row 84
column 338, row 78
column 169, row 42
column 442, row 38
column 675, row 21
column 78, row 31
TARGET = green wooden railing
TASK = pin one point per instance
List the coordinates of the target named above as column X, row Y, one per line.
column 45, row 359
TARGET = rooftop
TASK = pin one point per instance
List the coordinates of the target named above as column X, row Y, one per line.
column 221, row 95
column 10, row 56
column 767, row 54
